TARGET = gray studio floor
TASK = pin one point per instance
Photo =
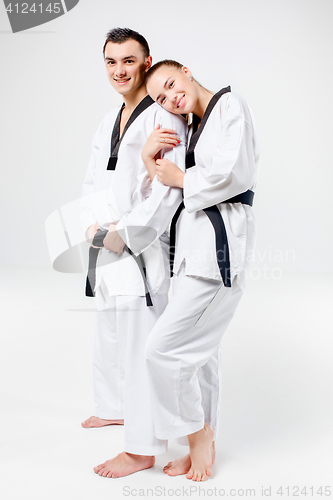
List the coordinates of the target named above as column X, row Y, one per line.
column 276, row 416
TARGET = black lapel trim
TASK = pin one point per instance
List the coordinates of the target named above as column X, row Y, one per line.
column 190, row 159
column 115, row 140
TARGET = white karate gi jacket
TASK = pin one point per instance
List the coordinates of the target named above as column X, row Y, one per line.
column 126, row 197
column 226, row 164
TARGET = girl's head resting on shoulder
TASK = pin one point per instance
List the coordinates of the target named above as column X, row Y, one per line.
column 172, row 86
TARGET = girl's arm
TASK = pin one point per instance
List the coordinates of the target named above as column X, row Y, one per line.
column 160, row 138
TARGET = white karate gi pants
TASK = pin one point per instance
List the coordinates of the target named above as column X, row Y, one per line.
column 108, row 366
column 119, row 370
column 183, row 360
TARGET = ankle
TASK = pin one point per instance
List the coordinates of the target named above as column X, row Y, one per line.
column 197, row 436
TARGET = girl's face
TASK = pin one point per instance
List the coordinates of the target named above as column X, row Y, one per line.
column 173, row 89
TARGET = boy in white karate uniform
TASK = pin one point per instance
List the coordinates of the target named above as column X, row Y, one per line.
column 119, row 197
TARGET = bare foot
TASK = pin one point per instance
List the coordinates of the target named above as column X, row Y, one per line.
column 179, row 466
column 201, row 453
column 100, row 422
column 183, row 465
column 124, row 464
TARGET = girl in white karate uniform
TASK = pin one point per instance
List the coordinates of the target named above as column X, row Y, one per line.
column 214, row 232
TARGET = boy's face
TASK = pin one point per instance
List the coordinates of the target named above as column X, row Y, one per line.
column 126, row 66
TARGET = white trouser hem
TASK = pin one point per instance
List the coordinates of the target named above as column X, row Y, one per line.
column 109, row 416
column 183, row 440
column 146, row 451
column 173, row 432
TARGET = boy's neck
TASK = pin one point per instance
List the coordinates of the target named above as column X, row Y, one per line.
column 132, row 100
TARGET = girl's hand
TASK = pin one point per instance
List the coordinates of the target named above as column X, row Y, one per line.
column 160, row 138
column 169, row 174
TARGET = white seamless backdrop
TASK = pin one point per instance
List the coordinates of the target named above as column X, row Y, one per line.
column 275, row 53
column 276, row 416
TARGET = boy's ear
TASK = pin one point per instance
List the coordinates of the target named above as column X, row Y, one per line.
column 149, row 62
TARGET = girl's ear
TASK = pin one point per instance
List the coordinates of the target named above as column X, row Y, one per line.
column 187, row 72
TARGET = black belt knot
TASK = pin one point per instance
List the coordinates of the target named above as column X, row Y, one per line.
column 93, row 254
column 221, row 239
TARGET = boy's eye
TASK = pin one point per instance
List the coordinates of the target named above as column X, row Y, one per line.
column 163, row 100
column 171, row 84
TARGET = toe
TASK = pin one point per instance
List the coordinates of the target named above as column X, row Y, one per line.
column 88, row 423
column 190, row 473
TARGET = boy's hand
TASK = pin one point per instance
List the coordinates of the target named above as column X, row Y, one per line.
column 91, row 231
column 113, row 241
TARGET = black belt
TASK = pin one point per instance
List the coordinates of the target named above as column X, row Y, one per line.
column 221, row 239
column 93, row 254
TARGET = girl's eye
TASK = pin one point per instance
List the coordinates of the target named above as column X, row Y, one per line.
column 171, row 84
column 163, row 100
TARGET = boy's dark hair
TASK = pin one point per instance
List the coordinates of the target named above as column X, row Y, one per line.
column 121, row 35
